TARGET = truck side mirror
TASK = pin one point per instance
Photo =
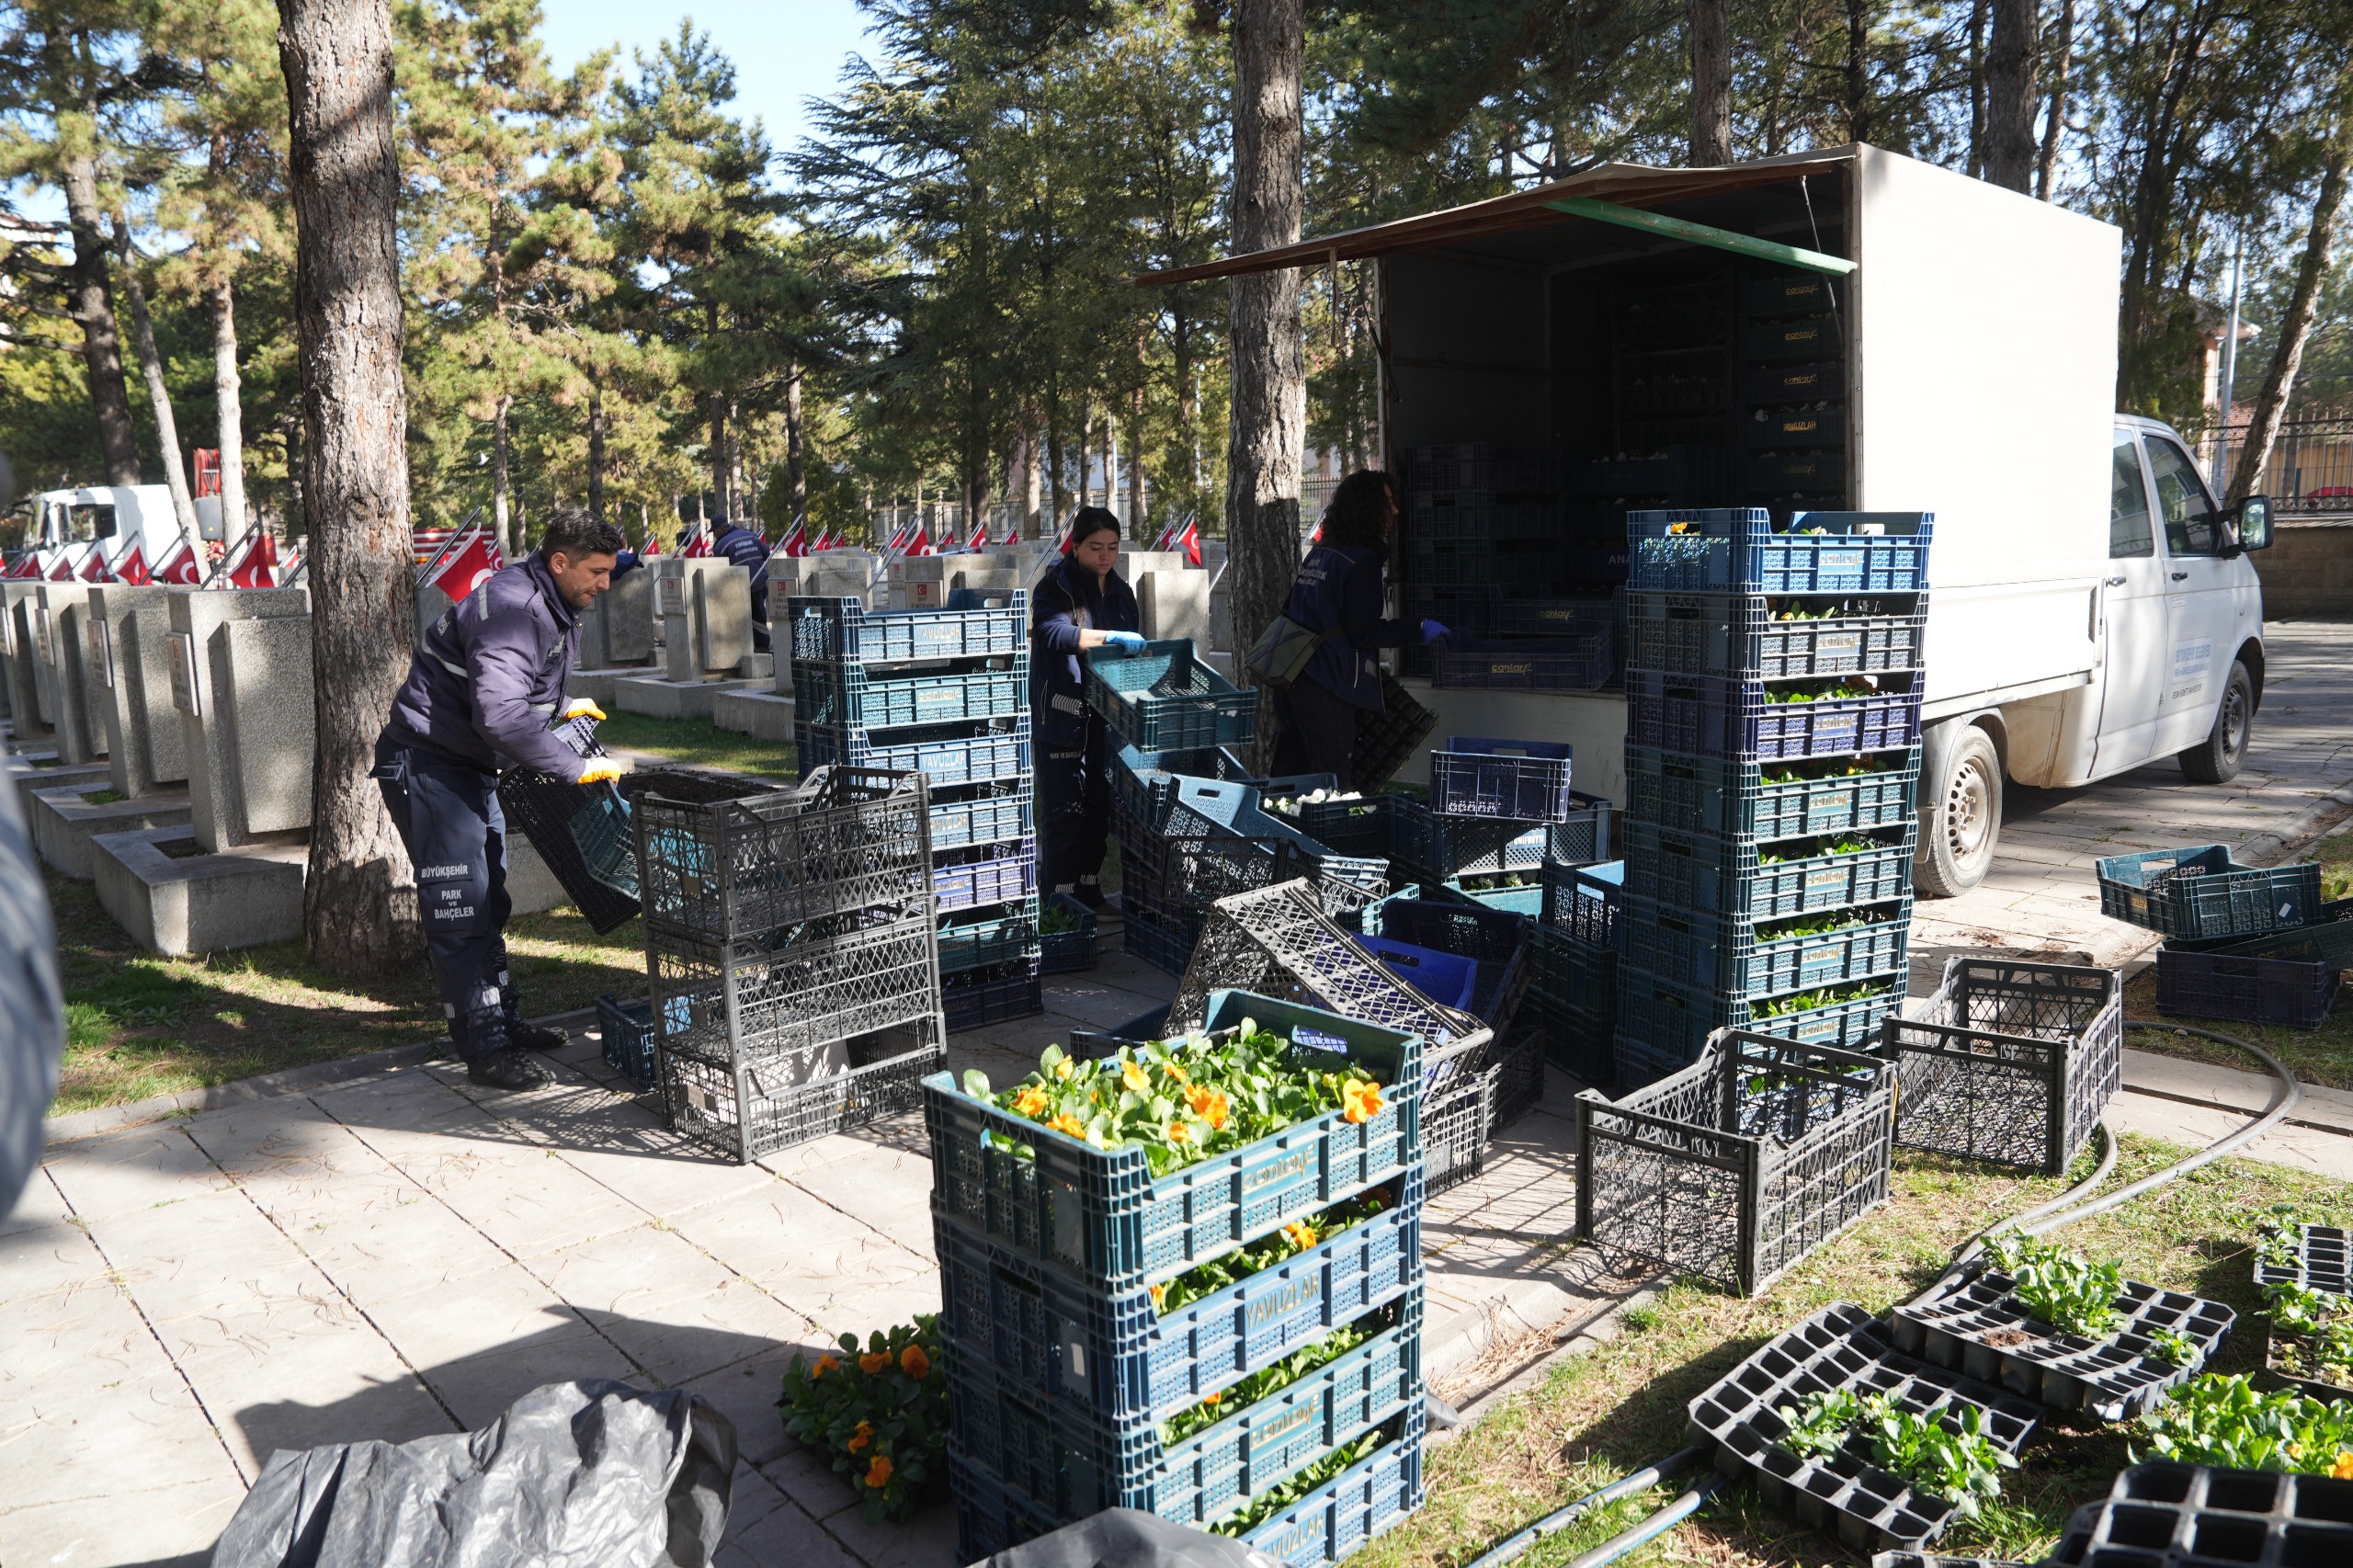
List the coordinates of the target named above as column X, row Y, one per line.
column 2250, row 523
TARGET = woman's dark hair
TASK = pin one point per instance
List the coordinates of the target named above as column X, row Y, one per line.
column 1358, row 513
column 1089, row 522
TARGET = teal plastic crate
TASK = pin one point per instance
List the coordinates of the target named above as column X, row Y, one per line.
column 2201, row 892
column 1771, row 799
column 1728, row 876
column 1166, row 698
column 1741, row 957
column 1739, row 550
column 860, row 696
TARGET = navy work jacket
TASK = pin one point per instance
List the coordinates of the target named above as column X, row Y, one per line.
column 488, row 676
column 1065, row 602
column 1339, row 587
column 741, row 546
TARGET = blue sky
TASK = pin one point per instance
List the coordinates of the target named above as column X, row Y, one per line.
column 785, row 50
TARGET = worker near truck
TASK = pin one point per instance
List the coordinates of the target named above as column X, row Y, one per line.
column 486, row 686
column 1082, row 603
column 1337, row 596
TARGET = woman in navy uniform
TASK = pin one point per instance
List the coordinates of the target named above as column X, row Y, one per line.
column 1337, row 594
column 1082, row 602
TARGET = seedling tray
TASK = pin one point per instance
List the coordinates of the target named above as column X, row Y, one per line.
column 2201, row 892
column 1930, row 1560
column 2010, row 1061
column 1729, row 875
column 748, row 1109
column 974, row 624
column 848, row 693
column 1109, row 1355
column 952, row 753
column 1846, row 1494
column 1065, row 1467
column 1069, row 953
column 2290, row 1358
column 1524, row 780
column 1166, row 698
column 1729, row 954
column 1677, row 1020
column 1744, row 636
column 2289, row 993
column 1732, row 800
column 1736, row 1167
column 976, row 998
column 1101, row 1219
column 1737, row 550
column 1737, row 719
column 627, row 1029
column 1975, row 1325
column 2163, row 1515
column 2323, row 1262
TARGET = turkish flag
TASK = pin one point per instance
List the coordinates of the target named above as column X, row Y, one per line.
column 131, row 566
column 1190, row 541
column 698, row 545
column 795, row 543
column 921, row 543
column 93, row 567
column 61, row 570
column 253, row 565
column 180, row 565
column 980, row 540
column 466, row 565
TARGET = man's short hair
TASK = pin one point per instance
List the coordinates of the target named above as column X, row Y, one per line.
column 572, row 533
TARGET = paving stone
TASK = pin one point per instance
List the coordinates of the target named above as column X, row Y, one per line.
column 929, row 1540
column 834, row 1270
column 159, row 1527
column 480, row 1386
column 340, row 1384
column 525, row 1198
column 765, row 1528
column 212, row 1252
column 671, row 1309
column 45, row 1258
column 890, row 1191
column 128, row 1171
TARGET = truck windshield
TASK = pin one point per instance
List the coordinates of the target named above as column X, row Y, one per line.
column 2128, row 503
column 2181, row 496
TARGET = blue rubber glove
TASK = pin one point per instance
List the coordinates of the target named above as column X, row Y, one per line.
column 1125, row 642
column 1435, row 632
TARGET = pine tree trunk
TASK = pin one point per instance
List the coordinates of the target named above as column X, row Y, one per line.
column 596, row 453
column 501, row 519
column 744, row 505
column 2055, row 116
column 1709, row 25
column 2009, row 93
column 360, row 901
column 1020, row 480
column 159, row 396
column 91, row 304
column 1267, row 426
column 228, row 397
column 2296, row 322
column 1111, row 463
column 796, row 437
column 1135, row 462
column 1977, row 89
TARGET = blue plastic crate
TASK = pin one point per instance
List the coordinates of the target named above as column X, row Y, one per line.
column 1360, row 826
column 994, row 934
column 628, row 1031
column 2201, row 892
column 1471, row 775
column 995, row 813
column 987, row 873
column 1112, row 1357
column 1447, row 978
column 1729, row 875
column 1166, row 698
column 1099, row 1218
column 1496, row 940
column 1738, row 720
column 2328, row 939
column 1583, row 902
column 1573, row 981
column 1433, row 849
column 1671, row 1019
column 978, row 998
column 851, row 694
column 1069, row 953
column 1771, row 799
column 1751, row 636
column 974, row 624
column 2290, row 993
column 988, row 752
column 1166, row 948
column 1065, row 1467
column 1737, row 550
column 1738, row 957
column 1203, row 808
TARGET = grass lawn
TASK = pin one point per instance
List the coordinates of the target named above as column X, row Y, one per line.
column 698, row 744
column 1610, row 1411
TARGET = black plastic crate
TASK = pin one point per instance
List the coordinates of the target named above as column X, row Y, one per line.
column 1801, row 383
column 1674, row 1022
column 750, row 1109
column 1578, row 663
column 1069, row 951
column 1975, row 1324
column 856, row 694
column 1431, row 850
column 1113, row 1357
column 1815, row 425
column 1514, row 613
column 1515, row 1077
column 974, row 624
column 1749, row 636
column 745, row 1001
column 1792, row 337
column 1145, row 783
column 2328, row 940
column 2289, row 993
column 1739, row 720
column 1781, row 473
column 1845, row 1495
column 1584, row 901
column 1483, row 563
column 978, row 998
column 984, row 873
column 2201, row 892
column 627, row 1030
column 982, row 752
column 2011, row 1062
column 1680, row 475
column 1472, row 776
column 1480, row 465
column 1477, row 516
column 1358, row 824
column 1166, row 698
column 1454, row 1131
column 1730, row 876
column 1739, row 550
column 1387, row 741
column 1790, row 294
column 2163, row 1515
column 1574, row 980
column 1737, row 1167
column 1168, row 949
column 1771, row 799
column 1740, row 959
column 1099, row 1218
column 855, row 839
column 1495, row 941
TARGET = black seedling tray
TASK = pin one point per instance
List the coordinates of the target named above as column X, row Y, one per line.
column 2163, row 1515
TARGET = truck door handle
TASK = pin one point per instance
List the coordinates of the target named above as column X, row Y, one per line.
column 2179, row 576
column 2116, row 582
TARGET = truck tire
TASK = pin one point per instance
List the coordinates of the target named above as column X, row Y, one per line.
column 1960, row 815
column 2218, row 758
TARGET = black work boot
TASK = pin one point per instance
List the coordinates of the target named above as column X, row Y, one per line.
column 508, row 1069
column 1089, row 892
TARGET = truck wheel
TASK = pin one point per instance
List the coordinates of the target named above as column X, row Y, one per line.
column 1961, row 817
column 2216, row 758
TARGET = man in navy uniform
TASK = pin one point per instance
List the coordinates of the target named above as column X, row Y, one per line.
column 747, row 550
column 485, row 686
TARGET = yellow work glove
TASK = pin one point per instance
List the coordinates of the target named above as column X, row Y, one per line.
column 600, row 770
column 582, row 708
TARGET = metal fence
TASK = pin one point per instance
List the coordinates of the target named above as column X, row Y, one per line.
column 2311, row 470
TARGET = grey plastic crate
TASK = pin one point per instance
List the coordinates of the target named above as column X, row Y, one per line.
column 1975, row 1324
column 2163, row 1515
column 2010, row 1061
column 1846, row 1494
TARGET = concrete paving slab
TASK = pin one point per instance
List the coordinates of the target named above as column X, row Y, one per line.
column 766, row 1528
column 2297, row 1148
column 162, row 1527
column 745, row 1393
column 105, row 1176
column 46, row 1256
column 342, row 1386
column 667, row 1305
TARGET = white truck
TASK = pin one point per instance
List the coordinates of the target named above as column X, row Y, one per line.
column 2091, row 605
column 103, row 515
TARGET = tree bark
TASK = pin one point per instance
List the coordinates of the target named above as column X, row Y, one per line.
column 1708, row 23
column 159, row 396
column 1135, row 461
column 91, row 304
column 1977, row 89
column 596, row 453
column 1859, row 71
column 2296, row 322
column 1267, row 427
column 2009, row 93
column 1021, row 480
column 2055, row 118
column 359, row 900
column 501, row 519
column 228, row 396
column 796, row 443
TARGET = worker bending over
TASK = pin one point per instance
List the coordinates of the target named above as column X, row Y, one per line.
column 485, row 688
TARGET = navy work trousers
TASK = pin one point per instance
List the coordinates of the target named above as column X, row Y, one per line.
column 1074, row 800
column 1316, row 733
column 449, row 818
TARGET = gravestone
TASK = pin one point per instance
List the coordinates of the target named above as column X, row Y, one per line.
column 617, row 628
column 59, row 635
column 129, row 682
column 1174, row 604
column 241, row 679
column 17, row 651
column 707, row 614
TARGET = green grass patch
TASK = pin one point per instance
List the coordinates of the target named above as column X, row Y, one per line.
column 698, row 744
column 2323, row 1056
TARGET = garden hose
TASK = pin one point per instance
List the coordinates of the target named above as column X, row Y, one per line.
column 1640, row 1480
column 1650, row 1529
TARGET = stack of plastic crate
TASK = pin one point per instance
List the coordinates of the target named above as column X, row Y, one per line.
column 1499, row 810
column 2254, row 943
column 794, row 967
column 1773, row 697
column 1572, row 989
column 1285, row 1408
column 946, row 691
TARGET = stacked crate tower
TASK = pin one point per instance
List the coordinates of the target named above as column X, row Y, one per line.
column 946, row 691
column 1094, row 1364
column 1772, row 767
